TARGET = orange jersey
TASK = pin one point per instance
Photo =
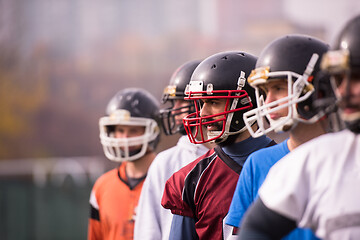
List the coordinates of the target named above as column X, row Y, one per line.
column 113, row 205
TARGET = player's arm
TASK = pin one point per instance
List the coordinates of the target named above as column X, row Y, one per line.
column 261, row 222
column 183, row 228
column 148, row 216
column 94, row 227
column 242, row 197
column 183, row 224
column 241, row 201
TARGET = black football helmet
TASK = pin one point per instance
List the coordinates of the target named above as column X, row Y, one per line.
column 343, row 63
column 176, row 91
column 130, row 107
column 222, row 75
column 297, row 59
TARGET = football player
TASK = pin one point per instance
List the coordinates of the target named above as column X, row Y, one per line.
column 315, row 186
column 199, row 194
column 129, row 134
column 153, row 221
column 285, row 80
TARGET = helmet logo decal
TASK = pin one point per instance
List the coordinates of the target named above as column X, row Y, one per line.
column 120, row 114
column 336, row 61
column 194, row 86
column 171, row 90
column 261, row 73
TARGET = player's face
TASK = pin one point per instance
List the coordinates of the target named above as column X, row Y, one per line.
column 274, row 90
column 123, row 131
column 348, row 91
column 212, row 107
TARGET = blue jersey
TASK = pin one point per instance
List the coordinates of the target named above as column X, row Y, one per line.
column 250, row 180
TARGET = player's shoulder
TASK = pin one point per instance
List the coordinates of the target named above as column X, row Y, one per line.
column 106, row 177
column 165, row 154
column 169, row 156
column 325, row 149
column 334, row 138
column 184, row 171
column 268, row 152
column 182, row 145
column 330, row 141
column 209, row 154
column 163, row 162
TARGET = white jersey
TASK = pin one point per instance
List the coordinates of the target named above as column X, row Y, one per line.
column 152, row 220
column 318, row 186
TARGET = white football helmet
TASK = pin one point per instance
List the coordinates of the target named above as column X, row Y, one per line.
column 294, row 58
column 130, row 107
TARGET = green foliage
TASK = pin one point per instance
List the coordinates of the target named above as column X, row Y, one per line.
column 23, row 89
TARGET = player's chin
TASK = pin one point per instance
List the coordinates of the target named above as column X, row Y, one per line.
column 350, row 114
column 135, row 148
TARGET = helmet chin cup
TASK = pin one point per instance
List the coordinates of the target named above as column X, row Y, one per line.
column 283, row 124
column 217, row 136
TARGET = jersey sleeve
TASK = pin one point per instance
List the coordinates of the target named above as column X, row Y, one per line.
column 242, row 198
column 183, row 228
column 149, row 210
column 172, row 196
column 263, row 223
column 94, row 227
column 286, row 188
column 146, row 223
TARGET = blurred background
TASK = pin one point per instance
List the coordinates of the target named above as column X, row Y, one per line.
column 62, row 60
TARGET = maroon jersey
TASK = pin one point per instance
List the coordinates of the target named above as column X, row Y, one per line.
column 203, row 190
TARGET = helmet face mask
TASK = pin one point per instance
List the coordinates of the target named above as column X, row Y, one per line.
column 121, row 149
column 221, row 95
column 298, row 90
column 196, row 125
column 337, row 64
column 127, row 109
column 347, row 100
column 294, row 58
column 173, row 95
column 343, row 64
column 170, row 115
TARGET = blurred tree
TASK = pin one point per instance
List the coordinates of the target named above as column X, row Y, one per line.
column 23, row 87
